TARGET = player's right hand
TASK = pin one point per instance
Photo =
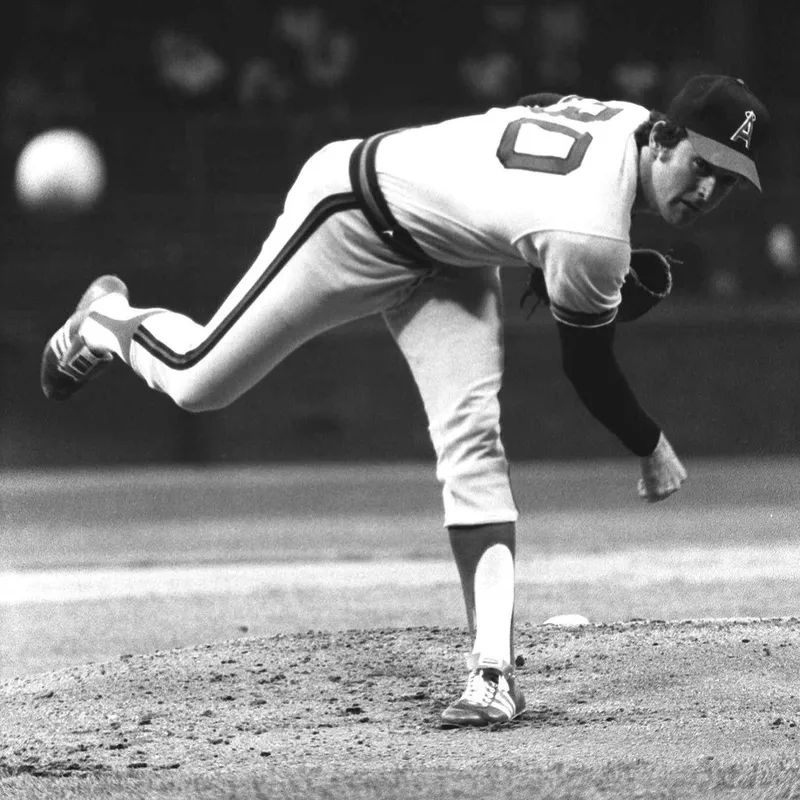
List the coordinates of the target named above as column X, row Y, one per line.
column 662, row 473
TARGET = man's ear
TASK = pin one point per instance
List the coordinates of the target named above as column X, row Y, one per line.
column 655, row 134
column 658, row 150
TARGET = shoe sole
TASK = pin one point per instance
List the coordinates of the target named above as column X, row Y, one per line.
column 479, row 721
column 100, row 287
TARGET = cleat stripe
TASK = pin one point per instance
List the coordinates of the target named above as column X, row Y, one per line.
column 80, row 366
column 505, row 704
column 485, row 702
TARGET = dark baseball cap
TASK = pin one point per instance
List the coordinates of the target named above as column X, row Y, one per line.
column 725, row 121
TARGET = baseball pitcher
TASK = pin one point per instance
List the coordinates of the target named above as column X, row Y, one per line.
column 415, row 225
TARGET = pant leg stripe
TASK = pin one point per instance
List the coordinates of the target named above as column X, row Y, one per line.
column 346, row 201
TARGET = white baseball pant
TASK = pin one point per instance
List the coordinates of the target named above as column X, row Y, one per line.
column 321, row 266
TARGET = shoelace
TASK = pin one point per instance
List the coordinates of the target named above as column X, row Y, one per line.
column 482, row 686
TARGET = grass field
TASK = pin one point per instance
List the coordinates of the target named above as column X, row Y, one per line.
column 141, row 563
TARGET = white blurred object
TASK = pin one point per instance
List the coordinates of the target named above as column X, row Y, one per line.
column 61, row 170
column 567, row 621
column 783, row 250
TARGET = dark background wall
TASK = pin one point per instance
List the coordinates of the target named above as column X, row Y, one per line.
column 197, row 177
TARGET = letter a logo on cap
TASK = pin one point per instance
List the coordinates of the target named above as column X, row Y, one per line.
column 745, row 130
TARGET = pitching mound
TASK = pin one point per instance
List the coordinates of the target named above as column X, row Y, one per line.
column 676, row 694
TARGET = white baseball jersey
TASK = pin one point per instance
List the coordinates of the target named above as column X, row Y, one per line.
column 552, row 188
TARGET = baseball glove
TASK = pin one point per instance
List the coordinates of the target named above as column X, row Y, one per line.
column 647, row 283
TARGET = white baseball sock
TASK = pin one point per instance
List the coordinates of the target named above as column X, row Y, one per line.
column 485, row 556
column 494, row 603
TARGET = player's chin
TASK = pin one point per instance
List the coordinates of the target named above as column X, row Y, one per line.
column 680, row 215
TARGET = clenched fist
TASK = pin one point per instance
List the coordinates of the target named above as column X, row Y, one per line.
column 662, row 473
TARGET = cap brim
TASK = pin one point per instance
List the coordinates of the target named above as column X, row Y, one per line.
column 725, row 157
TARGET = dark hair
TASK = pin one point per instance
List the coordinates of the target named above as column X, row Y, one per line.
column 668, row 134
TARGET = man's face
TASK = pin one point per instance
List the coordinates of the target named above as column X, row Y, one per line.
column 685, row 186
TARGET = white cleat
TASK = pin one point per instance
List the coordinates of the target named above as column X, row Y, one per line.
column 67, row 363
column 491, row 696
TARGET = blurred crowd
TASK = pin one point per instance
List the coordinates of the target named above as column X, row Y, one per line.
column 255, row 57
column 67, row 61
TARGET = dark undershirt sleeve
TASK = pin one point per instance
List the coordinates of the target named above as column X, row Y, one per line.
column 587, row 356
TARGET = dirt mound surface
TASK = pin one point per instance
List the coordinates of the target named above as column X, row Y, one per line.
column 370, row 700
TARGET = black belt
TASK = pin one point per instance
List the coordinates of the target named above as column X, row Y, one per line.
column 364, row 180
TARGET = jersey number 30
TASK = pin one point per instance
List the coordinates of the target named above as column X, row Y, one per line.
column 525, row 142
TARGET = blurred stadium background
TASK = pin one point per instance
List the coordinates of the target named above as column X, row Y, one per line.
column 205, row 111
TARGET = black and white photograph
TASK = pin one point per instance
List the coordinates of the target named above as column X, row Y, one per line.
column 399, row 400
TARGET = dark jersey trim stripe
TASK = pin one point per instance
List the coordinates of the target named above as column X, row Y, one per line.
column 346, row 201
column 582, row 319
